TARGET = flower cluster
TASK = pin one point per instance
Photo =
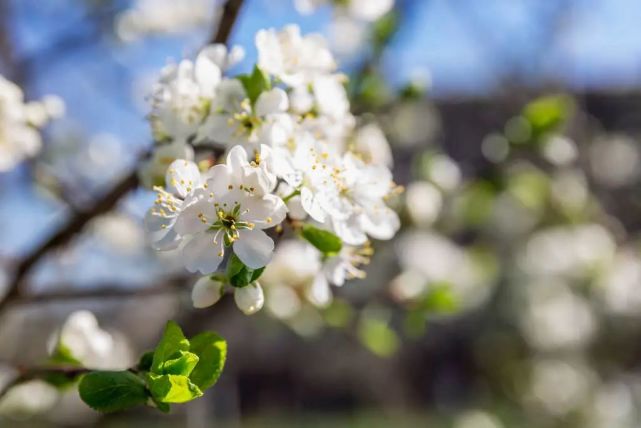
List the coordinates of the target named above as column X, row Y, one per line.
column 19, row 123
column 366, row 10
column 292, row 151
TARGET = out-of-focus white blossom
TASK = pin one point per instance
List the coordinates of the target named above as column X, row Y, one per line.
column 94, row 347
column 560, row 386
column 371, row 143
column 477, row 419
column 615, row 160
column 366, row 10
column 19, row 123
column 444, row 172
column 29, row 398
column 152, row 172
column 148, row 17
column 560, row 150
column 572, row 251
column 556, row 318
column 619, row 285
column 120, row 231
column 424, row 202
column 413, row 123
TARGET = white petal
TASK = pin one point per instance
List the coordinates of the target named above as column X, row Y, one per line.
column 207, row 70
column 195, row 218
column 381, row 222
column 254, row 248
column 350, row 230
column 265, row 212
column 219, row 179
column 206, row 292
column 319, row 293
column 272, row 101
column 202, row 255
column 249, row 299
column 182, row 177
column 311, row 205
column 237, row 159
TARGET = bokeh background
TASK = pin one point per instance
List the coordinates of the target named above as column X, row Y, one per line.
column 512, row 296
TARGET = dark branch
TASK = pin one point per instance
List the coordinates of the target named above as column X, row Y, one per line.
column 227, row 20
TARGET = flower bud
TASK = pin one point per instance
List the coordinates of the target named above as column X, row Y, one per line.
column 249, row 299
column 206, row 292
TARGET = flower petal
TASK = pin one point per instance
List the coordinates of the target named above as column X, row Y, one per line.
column 206, row 292
column 254, row 248
column 272, row 101
column 249, row 299
column 265, row 212
column 319, row 293
column 196, row 217
column 182, row 177
column 202, row 255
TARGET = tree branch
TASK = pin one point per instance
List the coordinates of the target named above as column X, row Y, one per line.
column 78, row 220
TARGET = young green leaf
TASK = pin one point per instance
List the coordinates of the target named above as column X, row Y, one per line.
column 212, row 352
column 62, row 355
column 324, row 240
column 144, row 364
column 172, row 388
column 255, row 83
column 182, row 365
column 240, row 275
column 112, row 391
column 173, row 341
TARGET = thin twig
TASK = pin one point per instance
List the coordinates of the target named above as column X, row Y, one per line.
column 78, row 220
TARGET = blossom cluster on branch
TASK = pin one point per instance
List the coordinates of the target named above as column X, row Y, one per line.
column 294, row 156
column 20, row 122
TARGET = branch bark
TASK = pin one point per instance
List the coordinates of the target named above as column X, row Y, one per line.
column 78, row 220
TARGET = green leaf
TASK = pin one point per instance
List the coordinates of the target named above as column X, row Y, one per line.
column 62, row 356
column 440, row 299
column 112, row 391
column 378, row 337
column 240, row 275
column 172, row 388
column 255, row 83
column 61, row 381
column 182, row 365
column 546, row 114
column 324, row 240
column 146, row 360
column 172, row 343
column 212, row 352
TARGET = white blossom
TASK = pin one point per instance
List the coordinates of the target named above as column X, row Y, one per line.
column 230, row 212
column 249, row 299
column 19, row 123
column 206, row 292
column 294, row 59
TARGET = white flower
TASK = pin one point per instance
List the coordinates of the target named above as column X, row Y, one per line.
column 232, row 213
column 84, row 339
column 249, row 299
column 147, row 17
column 182, row 178
column 185, row 92
column 19, row 137
column 365, row 10
column 206, row 292
column 234, row 120
column 293, row 59
column 345, row 265
column 369, row 10
column 358, row 208
column 372, row 145
column 152, row 172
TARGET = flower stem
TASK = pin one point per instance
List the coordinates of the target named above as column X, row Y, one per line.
column 291, row 195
